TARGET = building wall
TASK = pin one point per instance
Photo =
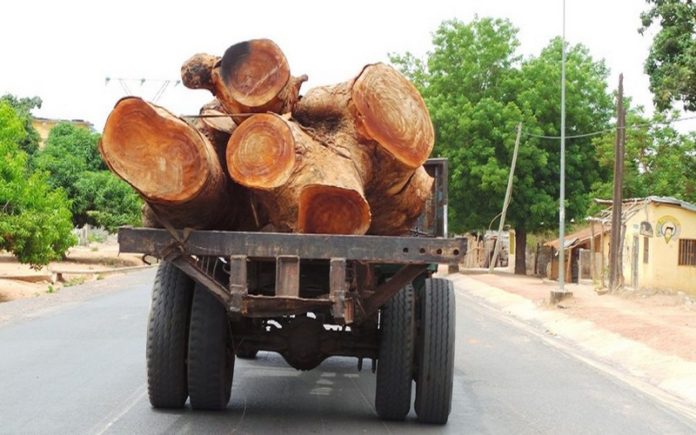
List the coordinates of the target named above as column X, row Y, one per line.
column 669, row 224
column 44, row 125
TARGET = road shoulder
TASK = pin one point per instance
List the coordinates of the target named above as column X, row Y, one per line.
column 630, row 341
column 31, row 308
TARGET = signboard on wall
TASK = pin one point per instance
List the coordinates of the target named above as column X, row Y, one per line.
column 646, row 229
column 668, row 227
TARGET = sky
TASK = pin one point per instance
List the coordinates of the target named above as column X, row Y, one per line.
column 63, row 51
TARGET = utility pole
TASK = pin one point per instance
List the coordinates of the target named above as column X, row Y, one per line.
column 617, row 200
column 560, row 294
column 508, row 194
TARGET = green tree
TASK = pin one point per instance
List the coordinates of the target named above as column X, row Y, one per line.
column 589, row 107
column 108, row 200
column 72, row 159
column 477, row 90
column 671, row 63
column 23, row 108
column 35, row 220
column 659, row 160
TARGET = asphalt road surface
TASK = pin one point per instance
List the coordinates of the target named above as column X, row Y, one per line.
column 75, row 363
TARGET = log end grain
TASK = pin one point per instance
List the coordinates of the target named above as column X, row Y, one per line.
column 154, row 151
column 332, row 210
column 261, row 152
column 392, row 112
column 254, row 72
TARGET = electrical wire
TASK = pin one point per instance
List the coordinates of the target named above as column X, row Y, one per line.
column 610, row 130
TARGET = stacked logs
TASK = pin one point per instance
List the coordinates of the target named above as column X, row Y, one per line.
column 342, row 159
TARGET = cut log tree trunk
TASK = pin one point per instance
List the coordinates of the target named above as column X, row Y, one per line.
column 251, row 77
column 345, row 159
column 304, row 186
column 216, row 126
column 381, row 114
column 173, row 166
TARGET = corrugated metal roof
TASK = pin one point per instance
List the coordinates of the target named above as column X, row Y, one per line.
column 585, row 233
column 672, row 201
column 577, row 237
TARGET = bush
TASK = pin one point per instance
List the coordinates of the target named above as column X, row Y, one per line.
column 107, row 200
column 71, row 157
column 35, row 220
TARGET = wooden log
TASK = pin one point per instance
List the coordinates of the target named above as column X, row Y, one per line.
column 216, row 125
column 173, row 166
column 304, row 186
column 387, row 119
column 215, row 117
column 395, row 214
column 251, row 77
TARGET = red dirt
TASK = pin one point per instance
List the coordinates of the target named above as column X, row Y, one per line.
column 665, row 322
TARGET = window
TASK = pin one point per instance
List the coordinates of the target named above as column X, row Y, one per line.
column 646, row 249
column 687, row 252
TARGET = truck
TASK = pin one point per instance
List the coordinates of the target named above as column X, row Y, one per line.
column 222, row 295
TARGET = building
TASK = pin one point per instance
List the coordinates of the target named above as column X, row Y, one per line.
column 658, row 246
column 579, row 247
column 44, row 126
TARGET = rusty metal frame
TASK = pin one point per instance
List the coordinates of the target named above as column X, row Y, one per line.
column 376, row 249
column 193, row 253
column 384, row 292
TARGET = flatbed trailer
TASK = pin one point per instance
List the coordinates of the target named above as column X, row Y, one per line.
column 224, row 294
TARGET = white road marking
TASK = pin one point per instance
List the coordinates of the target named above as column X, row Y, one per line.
column 130, row 401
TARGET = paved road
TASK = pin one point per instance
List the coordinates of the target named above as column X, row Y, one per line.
column 78, row 367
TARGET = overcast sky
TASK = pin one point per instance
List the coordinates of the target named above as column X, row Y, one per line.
column 63, row 50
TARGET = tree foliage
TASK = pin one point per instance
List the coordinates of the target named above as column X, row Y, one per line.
column 107, row 200
column 35, row 220
column 23, row 107
column 671, row 63
column 659, row 160
column 72, row 159
column 478, row 89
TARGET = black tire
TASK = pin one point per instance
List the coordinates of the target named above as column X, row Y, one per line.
column 435, row 367
column 246, row 354
column 210, row 355
column 167, row 337
column 395, row 361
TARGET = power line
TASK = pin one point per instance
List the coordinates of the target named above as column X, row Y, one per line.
column 610, row 130
column 123, row 81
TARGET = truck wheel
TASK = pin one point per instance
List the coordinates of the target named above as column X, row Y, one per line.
column 210, row 355
column 435, row 371
column 395, row 363
column 167, row 337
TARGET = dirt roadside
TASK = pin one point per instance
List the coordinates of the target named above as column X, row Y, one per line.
column 88, row 263
column 649, row 336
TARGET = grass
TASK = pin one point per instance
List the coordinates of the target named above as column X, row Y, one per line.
column 75, row 281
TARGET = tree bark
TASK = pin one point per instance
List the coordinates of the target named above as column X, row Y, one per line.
column 384, row 125
column 251, row 77
column 520, row 251
column 173, row 167
column 304, row 186
column 394, row 214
